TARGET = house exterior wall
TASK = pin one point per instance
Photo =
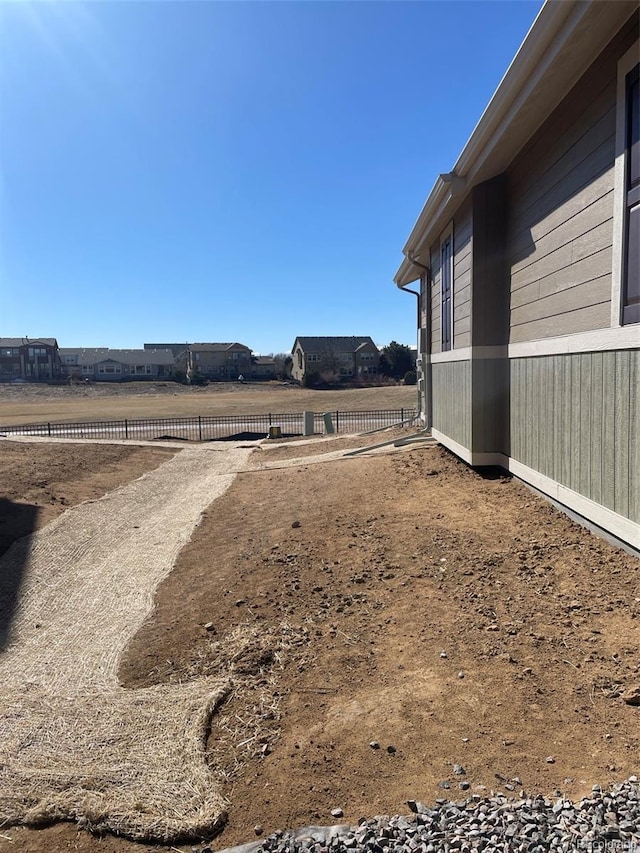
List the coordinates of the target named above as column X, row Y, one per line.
column 541, row 378
column 561, row 189
column 452, row 411
column 34, row 361
column 572, row 421
column 462, row 228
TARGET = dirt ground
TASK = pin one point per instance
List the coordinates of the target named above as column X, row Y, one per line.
column 21, row 404
column 404, row 599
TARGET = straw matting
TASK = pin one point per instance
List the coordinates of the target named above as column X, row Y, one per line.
column 73, row 744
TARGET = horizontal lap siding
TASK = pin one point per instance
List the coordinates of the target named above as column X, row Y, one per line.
column 574, row 419
column 561, row 214
column 462, row 261
column 451, row 390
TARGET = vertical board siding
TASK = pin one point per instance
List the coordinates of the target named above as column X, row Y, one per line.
column 451, row 390
column 574, row 418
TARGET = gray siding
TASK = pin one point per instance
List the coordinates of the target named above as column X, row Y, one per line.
column 561, row 211
column 490, row 390
column 462, row 263
column 451, row 390
column 462, row 277
column 574, row 419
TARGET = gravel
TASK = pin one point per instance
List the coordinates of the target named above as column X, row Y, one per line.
column 607, row 820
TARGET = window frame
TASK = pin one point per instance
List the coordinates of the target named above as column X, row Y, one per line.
column 626, row 65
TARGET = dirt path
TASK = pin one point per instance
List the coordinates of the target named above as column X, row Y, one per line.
column 73, row 742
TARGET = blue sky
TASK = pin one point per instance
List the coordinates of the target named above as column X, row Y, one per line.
column 229, row 171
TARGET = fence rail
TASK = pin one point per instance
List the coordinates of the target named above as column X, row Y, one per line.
column 214, row 428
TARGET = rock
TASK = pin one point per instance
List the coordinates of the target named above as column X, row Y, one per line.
column 444, row 655
column 374, row 744
column 550, row 759
column 210, row 627
column 337, row 813
column 296, row 524
column 391, row 749
column 631, row 696
column 459, row 770
column 258, row 829
column 461, row 674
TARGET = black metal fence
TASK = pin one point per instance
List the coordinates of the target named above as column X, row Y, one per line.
column 216, row 428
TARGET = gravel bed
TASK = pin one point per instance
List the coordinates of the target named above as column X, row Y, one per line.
column 608, row 820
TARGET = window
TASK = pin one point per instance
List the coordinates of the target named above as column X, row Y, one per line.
column 446, row 289
column 109, row 368
column 625, row 303
column 87, row 368
column 313, row 356
column 37, row 351
column 9, row 353
column 366, row 356
column 140, row 369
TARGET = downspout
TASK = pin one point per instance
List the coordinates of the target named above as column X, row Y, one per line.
column 426, row 359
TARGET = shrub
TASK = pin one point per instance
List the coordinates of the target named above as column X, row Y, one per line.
column 312, row 379
column 410, row 377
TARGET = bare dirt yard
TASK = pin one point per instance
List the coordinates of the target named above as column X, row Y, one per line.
column 21, row 404
column 452, row 617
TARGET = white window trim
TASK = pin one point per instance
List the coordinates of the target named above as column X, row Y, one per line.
column 448, row 232
column 626, row 64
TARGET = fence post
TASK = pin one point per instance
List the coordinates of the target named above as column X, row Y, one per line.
column 401, row 415
column 126, row 428
column 269, row 418
column 49, row 429
column 337, row 421
column 199, row 428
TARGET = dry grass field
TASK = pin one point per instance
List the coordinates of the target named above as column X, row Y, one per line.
column 21, row 404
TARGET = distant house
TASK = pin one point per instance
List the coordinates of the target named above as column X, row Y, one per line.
column 528, row 258
column 216, row 361
column 264, row 367
column 346, row 357
column 31, row 359
column 100, row 364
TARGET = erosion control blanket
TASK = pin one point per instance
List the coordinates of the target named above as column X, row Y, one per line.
column 73, row 743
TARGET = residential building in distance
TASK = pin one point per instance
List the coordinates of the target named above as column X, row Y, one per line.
column 528, row 257
column 100, row 364
column 346, row 357
column 29, row 359
column 217, row 361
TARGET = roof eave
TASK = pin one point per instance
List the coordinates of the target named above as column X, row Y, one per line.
column 493, row 142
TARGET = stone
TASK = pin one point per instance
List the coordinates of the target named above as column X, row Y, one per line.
column 296, row 524
column 631, row 696
column 374, row 744
column 210, row 627
column 258, row 829
column 337, row 813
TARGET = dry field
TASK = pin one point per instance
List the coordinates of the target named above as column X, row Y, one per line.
column 21, row 404
column 348, row 579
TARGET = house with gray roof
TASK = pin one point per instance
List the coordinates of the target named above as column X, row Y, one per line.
column 101, row 364
column 341, row 357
